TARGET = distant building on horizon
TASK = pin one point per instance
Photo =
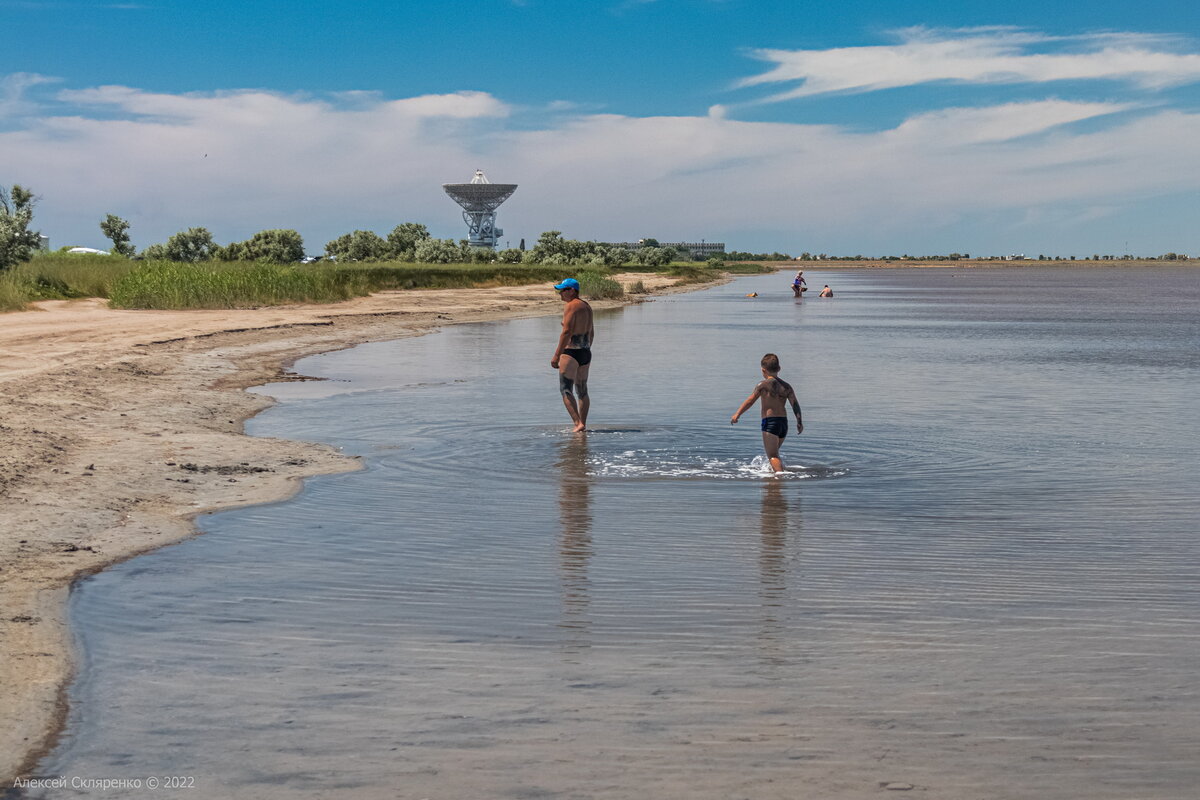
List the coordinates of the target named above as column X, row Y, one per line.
column 697, row 249
column 43, row 242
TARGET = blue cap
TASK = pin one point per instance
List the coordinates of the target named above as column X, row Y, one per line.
column 569, row 283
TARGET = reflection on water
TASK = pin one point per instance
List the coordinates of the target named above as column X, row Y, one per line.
column 773, row 567
column 980, row 576
column 575, row 547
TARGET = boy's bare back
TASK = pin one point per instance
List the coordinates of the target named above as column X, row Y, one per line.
column 775, row 394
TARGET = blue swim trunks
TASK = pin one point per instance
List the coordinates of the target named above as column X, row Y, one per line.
column 775, row 425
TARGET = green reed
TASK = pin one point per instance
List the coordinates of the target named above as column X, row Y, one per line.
column 165, row 284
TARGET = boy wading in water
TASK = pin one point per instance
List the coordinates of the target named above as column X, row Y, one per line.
column 776, row 396
column 574, row 352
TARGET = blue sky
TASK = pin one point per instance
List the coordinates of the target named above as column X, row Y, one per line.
column 877, row 127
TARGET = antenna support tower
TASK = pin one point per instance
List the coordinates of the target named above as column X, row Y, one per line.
column 479, row 200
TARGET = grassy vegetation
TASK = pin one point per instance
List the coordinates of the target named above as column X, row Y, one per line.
column 691, row 272
column 746, row 268
column 58, row 276
column 401, row 275
column 14, row 294
column 166, row 284
column 596, row 285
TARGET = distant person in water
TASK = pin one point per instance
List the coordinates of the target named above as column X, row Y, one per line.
column 826, row 292
column 574, row 352
column 798, row 284
column 776, row 395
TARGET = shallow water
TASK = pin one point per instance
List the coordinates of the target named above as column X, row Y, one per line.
column 979, row 576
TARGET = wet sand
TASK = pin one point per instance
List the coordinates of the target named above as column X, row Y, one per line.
column 119, row 427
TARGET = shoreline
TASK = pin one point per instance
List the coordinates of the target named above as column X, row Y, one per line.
column 973, row 263
column 123, row 426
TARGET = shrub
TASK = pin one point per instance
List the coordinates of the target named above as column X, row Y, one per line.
column 596, row 286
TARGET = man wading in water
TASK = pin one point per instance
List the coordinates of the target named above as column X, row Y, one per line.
column 574, row 352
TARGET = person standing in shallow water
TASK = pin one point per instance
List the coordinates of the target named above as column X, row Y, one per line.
column 775, row 394
column 574, row 352
column 798, row 284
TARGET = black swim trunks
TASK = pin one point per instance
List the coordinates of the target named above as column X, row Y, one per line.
column 582, row 355
column 775, row 425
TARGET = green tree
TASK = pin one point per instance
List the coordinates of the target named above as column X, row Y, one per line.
column 654, row 256
column 609, row 256
column 280, row 246
column 550, row 243
column 17, row 241
column 192, row 245
column 404, row 238
column 357, row 246
column 439, row 251
column 117, row 230
column 620, row 256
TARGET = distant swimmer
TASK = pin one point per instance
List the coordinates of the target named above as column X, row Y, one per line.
column 776, row 395
column 574, row 352
column 798, row 284
column 826, row 292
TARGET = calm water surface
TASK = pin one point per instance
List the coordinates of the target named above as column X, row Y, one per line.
column 980, row 575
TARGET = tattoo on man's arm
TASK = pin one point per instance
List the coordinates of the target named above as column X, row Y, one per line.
column 796, row 408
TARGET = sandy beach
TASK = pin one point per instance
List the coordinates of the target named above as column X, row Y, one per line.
column 121, row 426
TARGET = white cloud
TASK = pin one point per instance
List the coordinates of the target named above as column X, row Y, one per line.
column 269, row 107
column 13, row 88
column 986, row 55
column 1001, row 123
column 242, row 161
